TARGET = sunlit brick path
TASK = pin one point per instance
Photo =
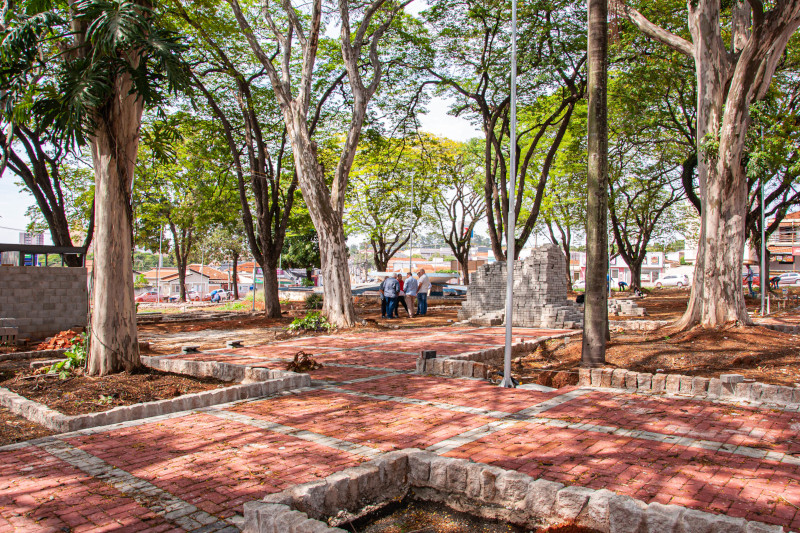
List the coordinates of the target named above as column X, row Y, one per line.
column 193, row 471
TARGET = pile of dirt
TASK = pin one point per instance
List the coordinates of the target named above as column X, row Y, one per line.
column 64, row 339
column 81, row 394
column 755, row 352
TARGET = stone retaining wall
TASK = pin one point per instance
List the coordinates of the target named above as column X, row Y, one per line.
column 707, row 388
column 474, row 488
column 476, row 364
column 41, row 414
column 44, row 300
column 38, row 354
column 210, row 369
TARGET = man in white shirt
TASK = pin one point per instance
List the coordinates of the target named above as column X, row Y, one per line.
column 410, row 288
column 423, row 288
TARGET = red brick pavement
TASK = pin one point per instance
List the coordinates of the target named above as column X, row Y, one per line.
column 715, row 482
column 384, row 425
column 212, row 463
column 217, row 464
column 740, row 426
column 395, row 361
column 466, row 393
column 41, row 493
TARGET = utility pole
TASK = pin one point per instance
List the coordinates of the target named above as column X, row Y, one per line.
column 511, row 225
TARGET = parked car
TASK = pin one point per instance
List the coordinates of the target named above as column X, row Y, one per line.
column 149, row 296
column 193, row 296
column 673, row 280
column 581, row 284
column 223, row 295
column 789, row 278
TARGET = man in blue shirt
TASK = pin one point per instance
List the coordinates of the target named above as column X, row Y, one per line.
column 389, row 291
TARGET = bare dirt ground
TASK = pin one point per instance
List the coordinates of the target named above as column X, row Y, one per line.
column 14, row 428
column 166, row 338
column 81, row 394
column 429, row 517
column 755, row 352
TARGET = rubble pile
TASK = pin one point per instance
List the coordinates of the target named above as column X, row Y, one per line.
column 540, row 292
column 64, row 339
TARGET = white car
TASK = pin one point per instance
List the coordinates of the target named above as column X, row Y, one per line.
column 789, row 278
column 581, row 284
column 673, row 280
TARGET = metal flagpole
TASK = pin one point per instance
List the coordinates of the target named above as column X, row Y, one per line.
column 511, row 225
column 763, row 253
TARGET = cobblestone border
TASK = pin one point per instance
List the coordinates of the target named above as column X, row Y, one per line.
column 638, row 325
column 475, row 488
column 697, row 387
column 476, row 364
column 43, row 415
column 210, row 369
column 36, row 354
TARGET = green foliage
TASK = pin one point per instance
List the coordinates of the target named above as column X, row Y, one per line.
column 313, row 301
column 122, row 39
column 75, row 359
column 140, row 282
column 313, row 321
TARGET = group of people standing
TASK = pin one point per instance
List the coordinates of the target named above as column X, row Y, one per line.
column 396, row 292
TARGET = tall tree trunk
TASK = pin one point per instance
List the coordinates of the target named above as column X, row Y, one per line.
column 636, row 273
column 464, row 262
column 235, row 276
column 595, row 322
column 327, row 219
column 272, row 299
column 114, row 344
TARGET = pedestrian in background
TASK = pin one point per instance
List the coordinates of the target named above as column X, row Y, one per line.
column 401, row 297
column 424, row 287
column 749, row 276
column 410, row 288
column 389, row 291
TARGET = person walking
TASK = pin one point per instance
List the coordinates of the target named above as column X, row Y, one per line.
column 749, row 276
column 423, row 288
column 401, row 299
column 410, row 288
column 389, row 290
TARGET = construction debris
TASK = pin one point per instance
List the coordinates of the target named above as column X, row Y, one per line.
column 64, row 339
column 303, row 362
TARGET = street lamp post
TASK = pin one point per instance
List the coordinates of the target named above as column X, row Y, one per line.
column 511, row 225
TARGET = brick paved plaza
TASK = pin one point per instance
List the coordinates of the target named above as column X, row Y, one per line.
column 193, row 471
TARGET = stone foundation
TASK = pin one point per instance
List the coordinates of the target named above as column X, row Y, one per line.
column 540, row 292
column 474, row 488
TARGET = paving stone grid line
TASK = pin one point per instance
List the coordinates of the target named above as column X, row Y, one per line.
column 159, row 501
column 178, row 512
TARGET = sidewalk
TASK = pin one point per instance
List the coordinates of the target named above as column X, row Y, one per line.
column 193, row 471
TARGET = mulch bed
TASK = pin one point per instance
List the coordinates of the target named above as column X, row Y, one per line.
column 412, row 516
column 80, row 394
column 14, row 428
column 757, row 353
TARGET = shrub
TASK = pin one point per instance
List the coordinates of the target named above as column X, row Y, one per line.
column 313, row 321
column 75, row 359
column 314, row 301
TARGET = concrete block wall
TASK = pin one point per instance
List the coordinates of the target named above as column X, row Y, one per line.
column 43, row 300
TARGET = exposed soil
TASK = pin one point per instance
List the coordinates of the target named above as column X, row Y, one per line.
column 413, row 516
column 80, row 394
column 755, row 352
column 14, row 428
column 169, row 337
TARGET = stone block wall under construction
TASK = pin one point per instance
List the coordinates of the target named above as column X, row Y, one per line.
column 540, row 291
